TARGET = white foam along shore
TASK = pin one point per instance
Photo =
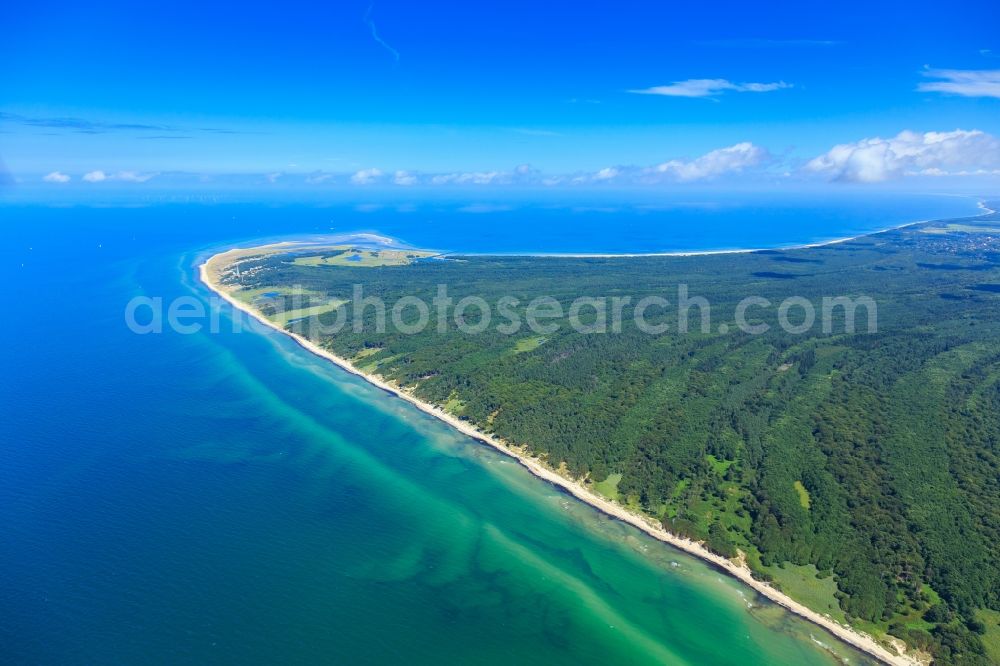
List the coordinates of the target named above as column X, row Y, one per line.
column 209, row 273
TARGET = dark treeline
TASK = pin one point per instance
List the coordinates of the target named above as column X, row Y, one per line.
column 874, row 456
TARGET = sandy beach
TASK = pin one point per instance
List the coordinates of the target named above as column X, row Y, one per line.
column 209, row 272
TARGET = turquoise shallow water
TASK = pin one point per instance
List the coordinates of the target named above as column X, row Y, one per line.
column 228, row 498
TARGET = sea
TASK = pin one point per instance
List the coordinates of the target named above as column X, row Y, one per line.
column 227, row 498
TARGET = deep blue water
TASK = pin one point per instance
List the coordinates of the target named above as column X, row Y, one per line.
column 195, row 499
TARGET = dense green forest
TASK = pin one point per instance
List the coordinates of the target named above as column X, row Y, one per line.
column 869, row 459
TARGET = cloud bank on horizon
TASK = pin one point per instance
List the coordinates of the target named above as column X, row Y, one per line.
column 958, row 153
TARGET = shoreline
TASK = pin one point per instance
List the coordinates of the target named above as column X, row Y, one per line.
column 703, row 253
column 853, row 637
column 981, row 205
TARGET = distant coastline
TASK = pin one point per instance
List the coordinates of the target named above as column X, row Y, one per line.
column 210, row 270
column 701, row 253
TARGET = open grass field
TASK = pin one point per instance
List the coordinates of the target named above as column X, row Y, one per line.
column 362, row 258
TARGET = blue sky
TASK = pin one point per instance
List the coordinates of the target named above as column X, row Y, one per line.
column 514, row 93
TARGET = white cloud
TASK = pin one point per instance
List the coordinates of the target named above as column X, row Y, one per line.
column 484, row 208
column 318, row 177
column 965, row 82
column 484, row 177
column 99, row 176
column 374, row 32
column 719, row 162
column 133, row 176
column 708, row 88
column 471, row 178
column 960, row 152
column 404, row 178
column 273, row 177
column 366, row 176
column 56, row 177
column 735, row 158
column 939, row 172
